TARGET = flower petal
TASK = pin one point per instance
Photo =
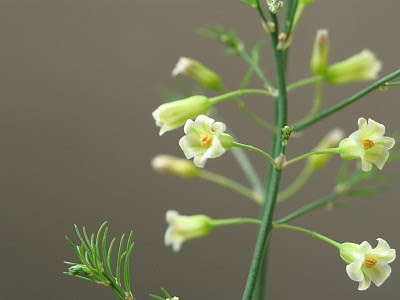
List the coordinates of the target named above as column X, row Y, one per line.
column 362, row 124
column 365, row 247
column 382, row 246
column 366, row 166
column 388, row 258
column 380, row 273
column 218, row 128
column 354, row 271
column 215, row 150
column 200, row 161
column 375, row 129
column 364, row 284
column 204, row 124
column 189, row 149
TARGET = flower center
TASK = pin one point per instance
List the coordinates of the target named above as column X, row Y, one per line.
column 205, row 140
column 370, row 262
column 368, row 144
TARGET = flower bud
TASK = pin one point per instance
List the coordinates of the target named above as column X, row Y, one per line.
column 199, row 72
column 176, row 166
column 331, row 140
column 172, row 115
column 361, row 67
column 320, row 55
column 80, row 270
column 185, row 228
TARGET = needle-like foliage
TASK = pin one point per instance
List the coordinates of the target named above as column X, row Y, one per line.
column 95, row 261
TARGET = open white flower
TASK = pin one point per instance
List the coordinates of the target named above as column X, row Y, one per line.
column 184, row 228
column 172, row 115
column 368, row 143
column 204, row 139
column 366, row 264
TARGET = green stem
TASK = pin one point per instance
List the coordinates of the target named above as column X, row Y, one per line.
column 252, row 148
column 274, row 180
column 267, row 84
column 392, row 84
column 308, row 208
column 309, row 232
column 303, row 82
column 306, row 123
column 250, row 114
column 230, row 184
column 317, row 100
column 234, row 221
column 323, row 151
column 238, row 93
column 296, row 185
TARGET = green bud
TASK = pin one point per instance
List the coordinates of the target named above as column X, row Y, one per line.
column 199, row 72
column 176, row 166
column 360, row 67
column 331, row 140
column 172, row 115
column 79, row 269
column 320, row 55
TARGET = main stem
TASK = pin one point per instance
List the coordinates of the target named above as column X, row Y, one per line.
column 274, row 180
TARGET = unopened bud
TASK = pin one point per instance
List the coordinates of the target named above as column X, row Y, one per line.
column 199, row 72
column 169, row 164
column 331, row 140
column 320, row 55
column 286, row 132
column 280, row 162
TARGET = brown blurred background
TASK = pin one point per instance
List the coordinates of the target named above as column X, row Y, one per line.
column 79, row 80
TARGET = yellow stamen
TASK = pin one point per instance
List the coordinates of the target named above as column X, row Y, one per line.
column 368, row 144
column 205, row 140
column 370, row 262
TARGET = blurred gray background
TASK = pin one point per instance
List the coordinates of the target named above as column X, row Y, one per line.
column 79, row 80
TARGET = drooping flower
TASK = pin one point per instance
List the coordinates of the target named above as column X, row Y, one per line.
column 173, row 165
column 199, row 72
column 363, row 66
column 204, row 139
column 368, row 143
column 172, row 115
column 366, row 264
column 185, row 228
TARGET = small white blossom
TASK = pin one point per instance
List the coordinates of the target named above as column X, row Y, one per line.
column 184, row 228
column 368, row 143
column 204, row 139
column 366, row 264
column 274, row 5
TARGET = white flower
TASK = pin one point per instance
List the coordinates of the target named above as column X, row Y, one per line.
column 184, row 228
column 204, row 139
column 360, row 67
column 366, row 264
column 367, row 144
column 199, row 72
column 172, row 115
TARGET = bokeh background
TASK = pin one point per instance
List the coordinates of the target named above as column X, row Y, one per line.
column 79, row 80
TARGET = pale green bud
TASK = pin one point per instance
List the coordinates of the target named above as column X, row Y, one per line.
column 184, row 228
column 176, row 166
column 320, row 54
column 331, row 140
column 361, row 67
column 172, row 115
column 199, row 72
